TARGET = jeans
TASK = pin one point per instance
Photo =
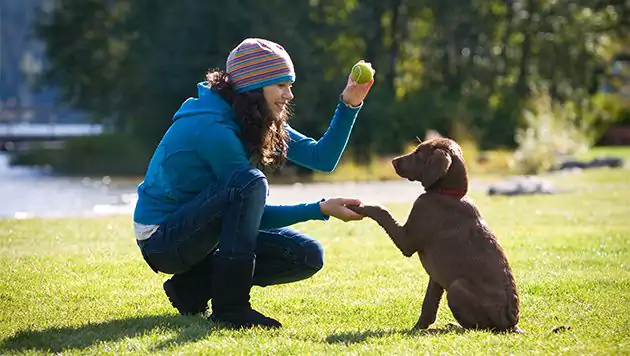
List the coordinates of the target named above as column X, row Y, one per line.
column 226, row 216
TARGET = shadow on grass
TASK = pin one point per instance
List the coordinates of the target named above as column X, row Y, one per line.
column 58, row 339
column 362, row 336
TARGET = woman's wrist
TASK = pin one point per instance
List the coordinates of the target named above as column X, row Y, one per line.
column 322, row 207
column 348, row 103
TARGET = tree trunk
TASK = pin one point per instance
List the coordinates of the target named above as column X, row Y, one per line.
column 374, row 39
column 398, row 25
column 526, row 48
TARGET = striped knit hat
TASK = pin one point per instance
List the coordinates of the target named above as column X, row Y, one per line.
column 256, row 63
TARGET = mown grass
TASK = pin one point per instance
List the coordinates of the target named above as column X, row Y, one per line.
column 79, row 286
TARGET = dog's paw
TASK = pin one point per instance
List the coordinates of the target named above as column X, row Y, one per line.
column 421, row 326
column 452, row 326
column 359, row 209
column 370, row 211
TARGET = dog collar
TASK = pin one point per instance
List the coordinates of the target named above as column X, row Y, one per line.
column 458, row 193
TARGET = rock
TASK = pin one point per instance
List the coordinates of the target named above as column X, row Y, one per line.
column 560, row 328
column 608, row 162
column 521, row 185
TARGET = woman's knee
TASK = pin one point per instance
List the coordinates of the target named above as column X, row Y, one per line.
column 250, row 181
column 314, row 256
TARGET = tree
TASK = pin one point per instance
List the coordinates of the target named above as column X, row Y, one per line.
column 440, row 64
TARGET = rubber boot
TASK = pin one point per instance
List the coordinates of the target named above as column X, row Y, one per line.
column 232, row 282
column 189, row 292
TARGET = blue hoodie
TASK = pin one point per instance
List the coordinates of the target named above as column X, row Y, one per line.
column 202, row 146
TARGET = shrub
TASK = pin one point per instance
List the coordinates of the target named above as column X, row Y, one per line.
column 550, row 131
column 107, row 154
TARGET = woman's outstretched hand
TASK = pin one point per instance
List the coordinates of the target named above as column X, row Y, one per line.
column 354, row 93
column 338, row 207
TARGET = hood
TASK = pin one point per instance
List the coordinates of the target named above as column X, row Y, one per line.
column 206, row 102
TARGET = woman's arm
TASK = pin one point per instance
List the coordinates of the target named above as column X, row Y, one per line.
column 221, row 148
column 323, row 154
column 276, row 216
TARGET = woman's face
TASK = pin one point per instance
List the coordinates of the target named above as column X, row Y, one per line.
column 278, row 97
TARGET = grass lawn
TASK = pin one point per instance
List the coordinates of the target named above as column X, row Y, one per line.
column 80, row 286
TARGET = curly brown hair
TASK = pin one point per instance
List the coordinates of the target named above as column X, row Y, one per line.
column 263, row 133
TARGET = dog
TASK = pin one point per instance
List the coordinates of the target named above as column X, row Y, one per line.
column 458, row 250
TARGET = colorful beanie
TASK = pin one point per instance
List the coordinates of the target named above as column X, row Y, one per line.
column 256, row 63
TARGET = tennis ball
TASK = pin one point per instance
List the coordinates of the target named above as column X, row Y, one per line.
column 362, row 72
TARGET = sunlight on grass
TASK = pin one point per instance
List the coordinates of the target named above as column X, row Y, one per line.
column 80, row 286
column 483, row 166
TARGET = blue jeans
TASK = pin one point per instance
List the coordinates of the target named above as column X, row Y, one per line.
column 226, row 216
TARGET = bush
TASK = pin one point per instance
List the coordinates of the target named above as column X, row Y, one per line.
column 107, row 154
column 550, row 131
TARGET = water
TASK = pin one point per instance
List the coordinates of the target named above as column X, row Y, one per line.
column 27, row 193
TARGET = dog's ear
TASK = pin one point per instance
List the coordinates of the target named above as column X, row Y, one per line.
column 435, row 167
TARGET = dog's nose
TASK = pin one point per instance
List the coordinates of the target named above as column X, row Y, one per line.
column 396, row 164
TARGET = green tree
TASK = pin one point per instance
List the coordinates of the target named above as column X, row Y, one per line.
column 440, row 64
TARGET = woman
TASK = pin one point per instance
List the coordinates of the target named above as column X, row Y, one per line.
column 201, row 213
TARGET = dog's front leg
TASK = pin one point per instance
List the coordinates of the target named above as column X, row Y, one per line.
column 430, row 305
column 395, row 231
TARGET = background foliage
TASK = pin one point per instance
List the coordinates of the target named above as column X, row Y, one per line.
column 450, row 65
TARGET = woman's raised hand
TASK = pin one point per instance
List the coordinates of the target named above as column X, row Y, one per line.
column 337, row 207
column 354, row 93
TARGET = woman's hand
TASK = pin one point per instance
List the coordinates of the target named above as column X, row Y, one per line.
column 337, row 207
column 354, row 93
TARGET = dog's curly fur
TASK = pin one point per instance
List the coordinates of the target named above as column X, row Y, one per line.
column 456, row 247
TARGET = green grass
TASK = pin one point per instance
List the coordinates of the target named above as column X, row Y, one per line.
column 607, row 151
column 80, row 286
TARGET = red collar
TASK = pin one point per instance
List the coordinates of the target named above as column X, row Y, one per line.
column 457, row 193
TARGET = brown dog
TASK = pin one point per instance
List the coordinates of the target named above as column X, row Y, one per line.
column 456, row 247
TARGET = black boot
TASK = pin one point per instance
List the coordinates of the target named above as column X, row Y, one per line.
column 189, row 292
column 232, row 282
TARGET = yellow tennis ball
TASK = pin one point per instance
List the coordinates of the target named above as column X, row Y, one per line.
column 362, row 72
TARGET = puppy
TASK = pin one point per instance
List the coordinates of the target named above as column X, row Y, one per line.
column 456, row 247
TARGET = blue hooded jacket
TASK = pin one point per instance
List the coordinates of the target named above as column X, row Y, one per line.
column 202, row 147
